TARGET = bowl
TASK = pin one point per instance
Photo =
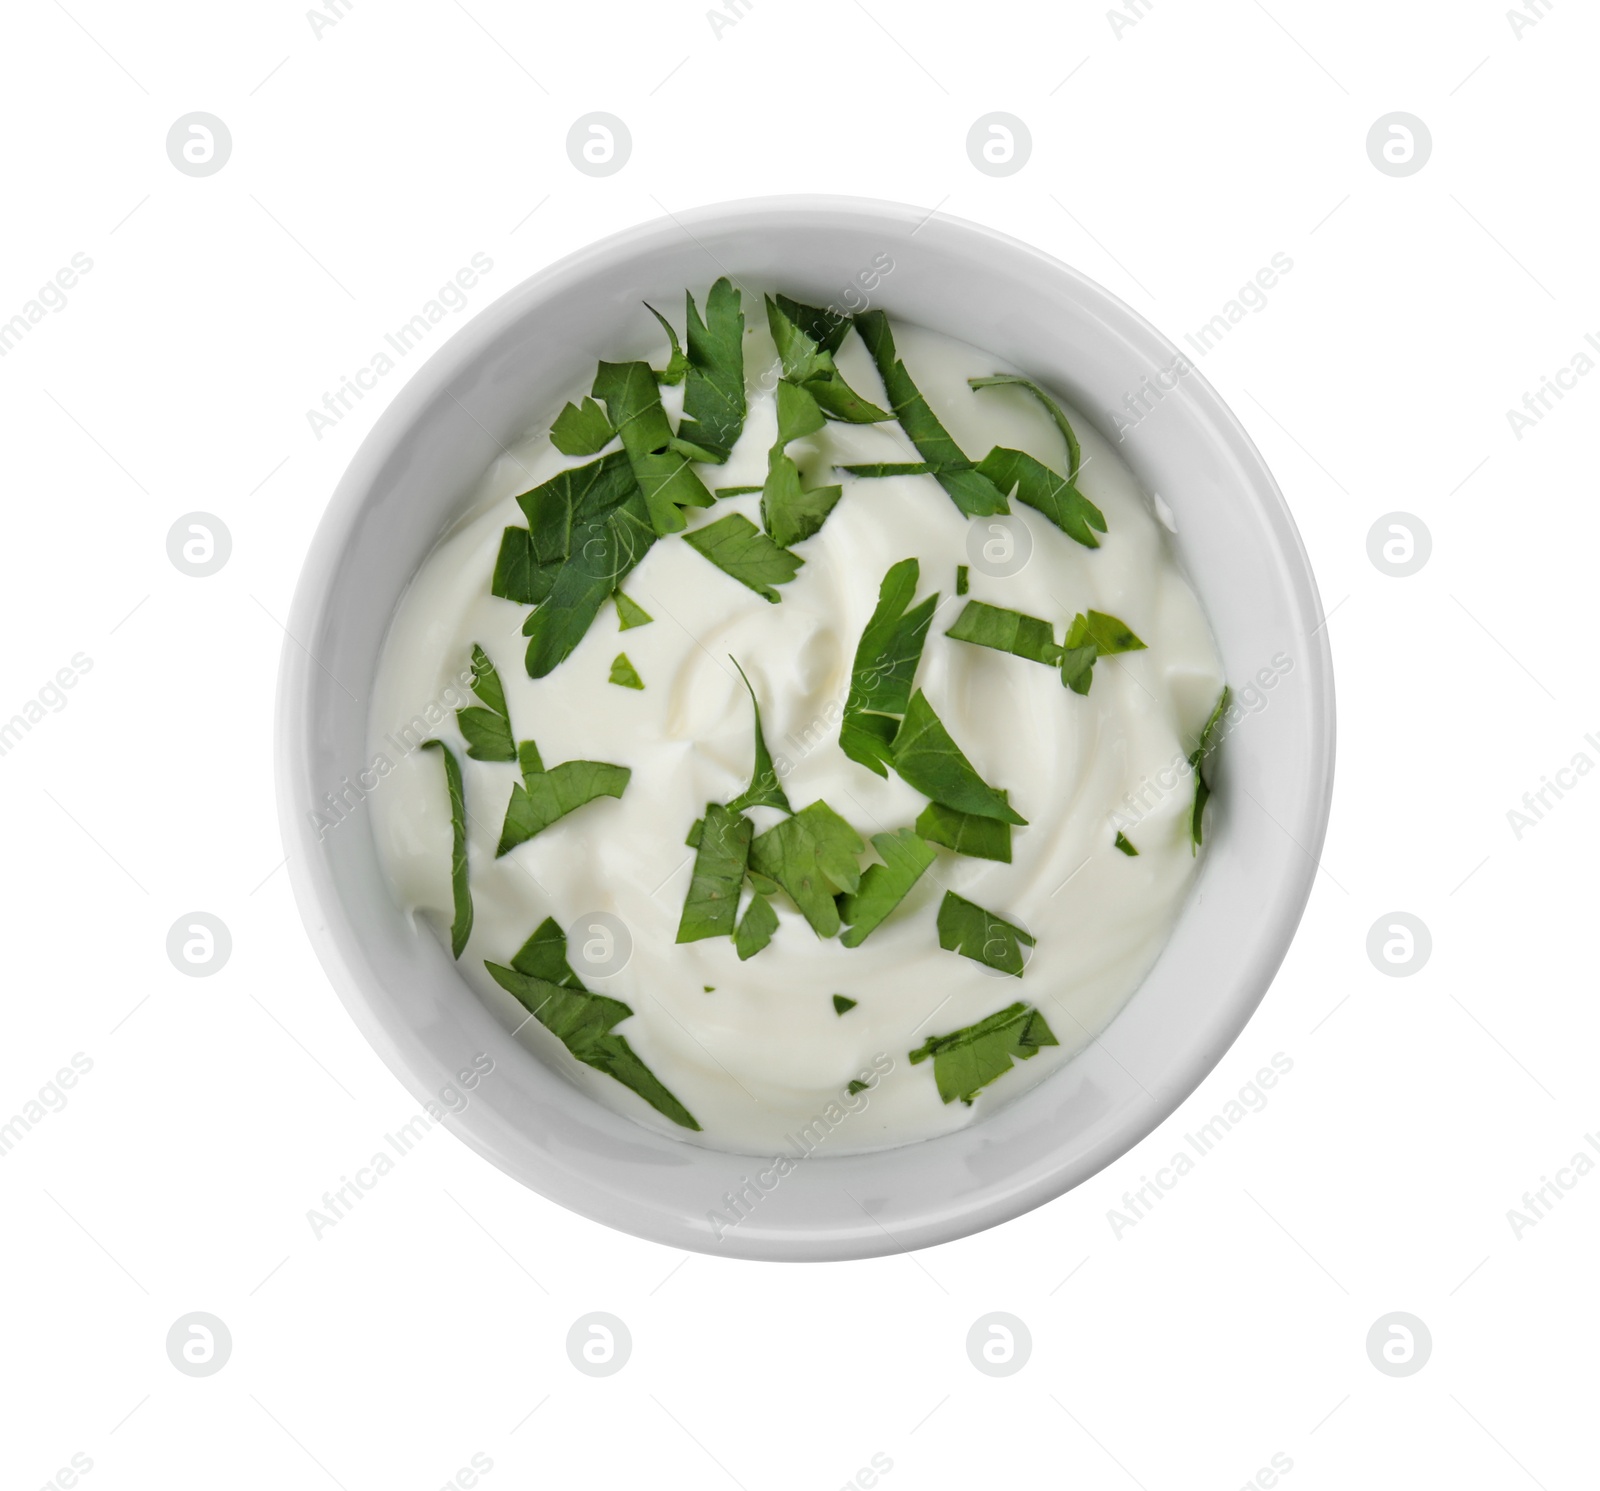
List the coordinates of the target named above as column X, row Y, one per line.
column 510, row 367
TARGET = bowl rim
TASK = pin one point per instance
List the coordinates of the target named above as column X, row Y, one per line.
column 313, row 882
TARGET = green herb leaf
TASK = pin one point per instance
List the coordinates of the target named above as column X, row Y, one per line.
column 698, row 827
column 790, row 512
column 841, row 1004
column 589, row 527
column 630, row 613
column 712, row 904
column 968, row 929
column 664, row 474
column 737, row 491
column 885, row 664
column 961, row 579
column 460, row 891
column 543, row 797
column 624, row 674
column 1035, row 485
column 827, row 328
column 581, row 429
column 738, row 548
column 1197, row 759
column 970, row 489
column 893, row 468
column 677, row 363
column 812, row 856
column 883, row 887
column 808, row 364
column 928, row 759
column 1093, row 635
column 1007, row 631
column 968, row 1060
column 487, row 729
column 765, row 790
column 582, row 1021
column 516, row 570
column 798, row 414
column 1053, row 409
column 856, row 1085
column 713, row 396
column 756, row 928
column 978, row 838
column 1125, row 844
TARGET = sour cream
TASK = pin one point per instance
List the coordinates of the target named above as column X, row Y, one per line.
column 755, row 1050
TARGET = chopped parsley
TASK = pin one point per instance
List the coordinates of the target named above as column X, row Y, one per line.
column 966, row 833
column 624, row 674
column 460, row 891
column 885, row 664
column 630, row 613
column 1093, row 635
column 1007, row 631
column 712, row 905
column 713, row 390
column 765, row 790
column 968, row 929
column 738, row 548
column 542, row 797
column 1197, row 759
column 487, row 727
column 756, row 927
column 841, row 1004
column 966, row 1061
column 929, row 760
column 813, row 857
column 1125, row 844
column 883, row 887
column 543, row 982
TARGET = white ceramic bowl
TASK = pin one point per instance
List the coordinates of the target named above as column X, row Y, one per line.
column 503, row 373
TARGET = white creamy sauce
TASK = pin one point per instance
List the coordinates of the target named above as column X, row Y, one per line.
column 764, row 1055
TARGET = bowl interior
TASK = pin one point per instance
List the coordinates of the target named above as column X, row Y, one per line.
column 506, row 370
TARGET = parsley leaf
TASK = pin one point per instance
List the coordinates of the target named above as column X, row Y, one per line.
column 1007, row 631
column 841, row 1004
column 460, row 891
column 893, row 468
column 624, row 674
column 677, row 363
column 883, row 887
column 630, row 613
column 765, row 790
column 713, row 396
column 581, row 429
column 885, row 663
column 928, row 759
column 811, row 366
column 588, row 527
column 970, row 489
column 487, row 727
column 542, row 797
column 1035, row 485
column 1053, row 409
column 736, row 491
column 712, row 904
column 979, row 838
column 827, row 328
column 738, row 548
column 1093, row 635
column 1125, row 844
column 966, row 1061
column 961, row 579
column 790, row 512
column 582, row 1021
column 664, row 474
column 1197, row 759
column 812, row 856
column 756, row 928
column 981, row 935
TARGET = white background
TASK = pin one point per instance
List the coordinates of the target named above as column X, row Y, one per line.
column 1170, row 161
